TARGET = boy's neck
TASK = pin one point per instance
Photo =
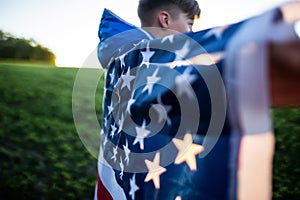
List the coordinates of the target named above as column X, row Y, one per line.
column 158, row 32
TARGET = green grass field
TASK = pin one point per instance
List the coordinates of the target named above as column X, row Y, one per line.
column 42, row 156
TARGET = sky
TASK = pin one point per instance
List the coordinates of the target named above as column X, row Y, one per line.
column 69, row 28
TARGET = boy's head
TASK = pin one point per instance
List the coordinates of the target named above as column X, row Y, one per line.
column 177, row 15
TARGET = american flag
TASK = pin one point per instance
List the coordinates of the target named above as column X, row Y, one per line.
column 172, row 128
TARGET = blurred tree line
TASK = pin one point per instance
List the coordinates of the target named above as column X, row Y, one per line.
column 12, row 47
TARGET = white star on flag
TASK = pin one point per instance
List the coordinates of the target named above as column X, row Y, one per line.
column 113, row 130
column 112, row 77
column 121, row 123
column 136, row 44
column 155, row 170
column 169, row 37
column 147, row 55
column 122, row 59
column 188, row 76
column 183, row 83
column 127, row 152
column 110, row 109
column 187, row 151
column 133, row 187
column 151, row 80
column 161, row 112
column 217, row 32
column 114, row 157
column 181, row 53
column 142, row 133
column 127, row 78
column 130, row 102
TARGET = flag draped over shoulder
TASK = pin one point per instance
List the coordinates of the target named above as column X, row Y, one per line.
column 177, row 110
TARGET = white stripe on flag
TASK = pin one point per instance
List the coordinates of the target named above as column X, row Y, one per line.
column 107, row 177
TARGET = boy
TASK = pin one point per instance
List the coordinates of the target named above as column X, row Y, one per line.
column 168, row 17
column 210, row 177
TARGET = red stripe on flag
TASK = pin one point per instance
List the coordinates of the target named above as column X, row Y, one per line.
column 102, row 193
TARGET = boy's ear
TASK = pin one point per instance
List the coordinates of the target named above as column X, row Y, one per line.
column 164, row 19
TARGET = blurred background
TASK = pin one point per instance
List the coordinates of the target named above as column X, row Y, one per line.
column 69, row 28
column 41, row 154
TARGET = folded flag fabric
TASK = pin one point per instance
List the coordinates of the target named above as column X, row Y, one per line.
column 181, row 113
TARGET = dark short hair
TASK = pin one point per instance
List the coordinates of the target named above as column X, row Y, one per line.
column 147, row 9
